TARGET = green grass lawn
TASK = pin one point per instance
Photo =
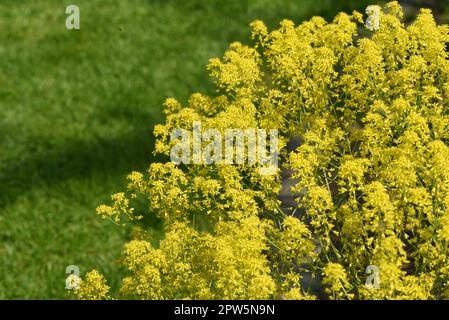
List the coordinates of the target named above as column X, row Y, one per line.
column 77, row 109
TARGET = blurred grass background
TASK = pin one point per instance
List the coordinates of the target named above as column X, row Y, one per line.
column 77, row 109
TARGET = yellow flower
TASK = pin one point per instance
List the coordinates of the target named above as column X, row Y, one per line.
column 369, row 175
column 334, row 276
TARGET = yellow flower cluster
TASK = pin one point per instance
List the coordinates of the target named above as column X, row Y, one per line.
column 93, row 287
column 371, row 171
column 195, row 265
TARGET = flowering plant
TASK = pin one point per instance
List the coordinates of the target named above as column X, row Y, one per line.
column 371, row 172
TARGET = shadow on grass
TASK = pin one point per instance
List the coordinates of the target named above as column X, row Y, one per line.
column 104, row 157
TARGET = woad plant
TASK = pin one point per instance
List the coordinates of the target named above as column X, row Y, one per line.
column 369, row 107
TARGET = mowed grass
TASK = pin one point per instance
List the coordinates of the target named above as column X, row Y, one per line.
column 77, row 109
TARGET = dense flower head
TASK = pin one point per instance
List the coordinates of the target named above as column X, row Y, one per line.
column 371, row 172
